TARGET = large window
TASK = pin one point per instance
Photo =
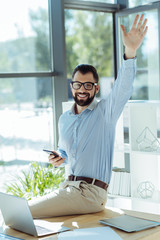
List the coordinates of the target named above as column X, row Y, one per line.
column 89, row 39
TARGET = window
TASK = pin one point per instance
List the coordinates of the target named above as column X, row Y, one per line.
column 24, row 39
column 26, row 118
column 26, row 108
column 89, row 39
column 134, row 3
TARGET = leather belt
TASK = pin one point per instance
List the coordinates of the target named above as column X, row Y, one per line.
column 93, row 181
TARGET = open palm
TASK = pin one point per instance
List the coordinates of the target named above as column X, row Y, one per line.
column 133, row 39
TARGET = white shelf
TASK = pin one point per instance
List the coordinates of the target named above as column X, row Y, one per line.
column 135, row 198
column 125, row 148
column 142, row 119
column 118, row 196
column 147, row 153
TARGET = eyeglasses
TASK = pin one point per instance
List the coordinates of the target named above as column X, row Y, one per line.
column 87, row 85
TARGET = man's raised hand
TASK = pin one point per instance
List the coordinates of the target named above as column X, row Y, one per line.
column 133, row 39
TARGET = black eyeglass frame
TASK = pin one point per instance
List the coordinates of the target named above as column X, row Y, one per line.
column 93, row 84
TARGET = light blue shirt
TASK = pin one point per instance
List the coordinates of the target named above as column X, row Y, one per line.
column 86, row 140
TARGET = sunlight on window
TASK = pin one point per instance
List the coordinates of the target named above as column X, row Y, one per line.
column 24, row 39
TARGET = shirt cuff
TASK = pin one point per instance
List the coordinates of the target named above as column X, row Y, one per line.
column 131, row 62
column 128, row 58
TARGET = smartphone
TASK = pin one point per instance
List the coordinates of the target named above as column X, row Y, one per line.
column 51, row 152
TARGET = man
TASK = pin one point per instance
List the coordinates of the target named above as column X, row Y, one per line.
column 86, row 135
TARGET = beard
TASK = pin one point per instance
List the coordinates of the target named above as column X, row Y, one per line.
column 84, row 102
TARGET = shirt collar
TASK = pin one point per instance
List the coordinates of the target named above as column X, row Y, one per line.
column 90, row 107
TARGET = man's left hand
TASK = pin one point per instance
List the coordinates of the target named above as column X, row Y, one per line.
column 133, row 39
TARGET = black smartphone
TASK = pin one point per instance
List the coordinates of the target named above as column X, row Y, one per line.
column 51, row 152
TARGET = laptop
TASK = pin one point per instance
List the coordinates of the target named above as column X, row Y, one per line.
column 128, row 223
column 17, row 215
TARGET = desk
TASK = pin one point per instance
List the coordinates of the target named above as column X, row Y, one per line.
column 91, row 220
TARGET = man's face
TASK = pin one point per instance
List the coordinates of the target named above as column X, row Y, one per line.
column 82, row 96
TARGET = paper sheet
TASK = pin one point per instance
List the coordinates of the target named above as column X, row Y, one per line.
column 100, row 233
column 56, row 226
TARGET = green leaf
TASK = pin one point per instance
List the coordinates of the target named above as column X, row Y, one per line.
column 38, row 180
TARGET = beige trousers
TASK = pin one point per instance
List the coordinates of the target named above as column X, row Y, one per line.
column 73, row 197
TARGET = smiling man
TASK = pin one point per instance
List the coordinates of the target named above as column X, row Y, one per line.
column 84, row 86
column 86, row 135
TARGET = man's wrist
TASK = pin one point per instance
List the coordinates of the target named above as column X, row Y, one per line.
column 129, row 53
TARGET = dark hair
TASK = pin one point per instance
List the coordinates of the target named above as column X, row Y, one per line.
column 86, row 68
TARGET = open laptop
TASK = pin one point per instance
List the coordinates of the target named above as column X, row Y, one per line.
column 17, row 215
column 128, row 223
